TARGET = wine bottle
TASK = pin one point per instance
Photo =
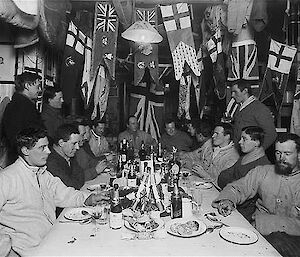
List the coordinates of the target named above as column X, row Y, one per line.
column 142, row 152
column 132, row 180
column 176, row 203
column 123, row 151
column 115, row 215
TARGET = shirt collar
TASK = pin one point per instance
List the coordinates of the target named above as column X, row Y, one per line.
column 34, row 169
column 247, row 102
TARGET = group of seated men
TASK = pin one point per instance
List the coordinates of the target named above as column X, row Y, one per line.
column 266, row 194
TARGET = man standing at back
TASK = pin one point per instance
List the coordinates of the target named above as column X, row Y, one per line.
column 51, row 114
column 251, row 112
column 21, row 112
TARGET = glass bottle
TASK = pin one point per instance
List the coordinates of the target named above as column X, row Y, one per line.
column 142, row 152
column 115, row 215
column 123, row 151
column 132, row 179
column 176, row 203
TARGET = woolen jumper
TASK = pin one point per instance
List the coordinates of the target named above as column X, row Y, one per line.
column 181, row 140
column 28, row 198
column 88, row 161
column 278, row 202
column 20, row 113
column 236, row 172
column 52, row 119
column 255, row 114
column 136, row 138
column 71, row 176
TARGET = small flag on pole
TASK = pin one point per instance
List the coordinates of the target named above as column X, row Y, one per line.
column 277, row 73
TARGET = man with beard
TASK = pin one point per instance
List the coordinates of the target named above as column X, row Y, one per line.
column 278, row 207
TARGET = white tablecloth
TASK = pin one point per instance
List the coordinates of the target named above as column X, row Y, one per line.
column 74, row 239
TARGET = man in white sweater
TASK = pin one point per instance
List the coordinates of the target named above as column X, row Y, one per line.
column 29, row 193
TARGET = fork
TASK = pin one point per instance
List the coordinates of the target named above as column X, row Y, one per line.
column 213, row 218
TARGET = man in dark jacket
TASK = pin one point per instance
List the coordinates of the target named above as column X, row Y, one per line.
column 61, row 162
column 21, row 112
column 51, row 114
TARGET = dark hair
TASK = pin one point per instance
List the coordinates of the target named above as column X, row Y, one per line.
column 204, row 128
column 28, row 137
column 283, row 137
column 242, row 84
column 169, row 120
column 255, row 133
column 25, row 77
column 64, row 132
column 131, row 116
column 49, row 93
column 228, row 129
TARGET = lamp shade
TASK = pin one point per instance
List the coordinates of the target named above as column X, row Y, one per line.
column 142, row 32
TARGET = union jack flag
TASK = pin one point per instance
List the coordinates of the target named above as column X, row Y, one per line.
column 148, row 15
column 106, row 17
column 146, row 104
column 243, row 61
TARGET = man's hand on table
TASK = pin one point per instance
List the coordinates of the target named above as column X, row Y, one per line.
column 225, row 207
column 93, row 199
column 198, row 169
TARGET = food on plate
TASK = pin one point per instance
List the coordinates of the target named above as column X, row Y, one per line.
column 186, row 228
column 142, row 223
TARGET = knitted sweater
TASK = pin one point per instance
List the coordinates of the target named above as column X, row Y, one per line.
column 181, row 140
column 28, row 197
column 278, row 202
column 255, row 114
column 72, row 176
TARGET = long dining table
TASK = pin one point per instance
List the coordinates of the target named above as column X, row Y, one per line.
column 75, row 239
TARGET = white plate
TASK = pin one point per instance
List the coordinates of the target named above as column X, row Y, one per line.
column 160, row 223
column 238, row 235
column 180, row 221
column 76, row 213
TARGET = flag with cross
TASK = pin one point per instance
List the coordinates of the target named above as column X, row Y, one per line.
column 146, row 59
column 177, row 22
column 277, row 73
column 72, row 63
column 147, row 103
column 105, row 37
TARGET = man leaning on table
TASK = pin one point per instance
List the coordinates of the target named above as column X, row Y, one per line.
column 29, row 193
column 278, row 207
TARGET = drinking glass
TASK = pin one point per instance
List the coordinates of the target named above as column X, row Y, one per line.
column 197, row 197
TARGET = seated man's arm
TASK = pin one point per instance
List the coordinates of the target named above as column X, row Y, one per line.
column 241, row 190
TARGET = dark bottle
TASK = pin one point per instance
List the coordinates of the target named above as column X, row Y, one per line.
column 142, row 152
column 132, row 179
column 115, row 215
column 176, row 203
column 130, row 150
column 123, row 151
